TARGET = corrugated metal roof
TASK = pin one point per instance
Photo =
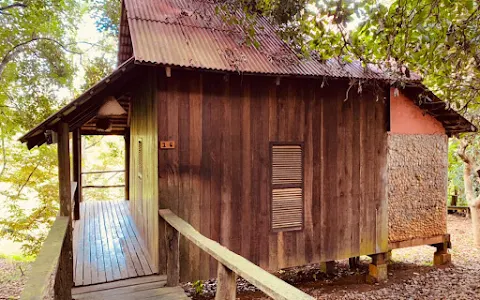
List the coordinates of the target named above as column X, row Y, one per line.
column 188, row 33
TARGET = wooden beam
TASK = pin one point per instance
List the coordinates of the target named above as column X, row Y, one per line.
column 77, row 172
column 64, row 179
column 103, row 186
column 419, row 242
column 64, row 276
column 263, row 280
column 104, row 172
column 173, row 255
column 226, row 284
column 127, row 165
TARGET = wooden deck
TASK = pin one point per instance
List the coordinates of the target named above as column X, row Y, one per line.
column 106, row 244
column 147, row 287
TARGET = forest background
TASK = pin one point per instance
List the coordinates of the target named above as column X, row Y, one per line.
column 53, row 50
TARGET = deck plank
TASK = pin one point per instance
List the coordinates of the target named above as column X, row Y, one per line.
column 101, row 274
column 93, row 245
column 152, row 290
column 122, row 264
column 143, row 265
column 107, row 245
column 87, row 278
column 124, row 240
column 133, row 263
column 118, row 284
column 137, row 241
column 111, row 240
column 78, row 241
column 107, row 260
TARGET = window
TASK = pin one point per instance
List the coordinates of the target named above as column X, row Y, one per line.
column 287, row 186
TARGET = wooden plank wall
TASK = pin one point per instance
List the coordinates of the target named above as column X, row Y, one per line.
column 144, row 190
column 217, row 178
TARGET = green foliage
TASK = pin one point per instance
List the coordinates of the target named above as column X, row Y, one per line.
column 104, row 153
column 199, row 287
column 436, row 38
column 37, row 69
column 35, row 64
column 107, row 15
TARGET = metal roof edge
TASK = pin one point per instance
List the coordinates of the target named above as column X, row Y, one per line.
column 70, row 107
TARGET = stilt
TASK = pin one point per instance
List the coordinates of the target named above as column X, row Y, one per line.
column 377, row 270
column 328, row 267
column 354, row 262
column 389, row 256
column 441, row 256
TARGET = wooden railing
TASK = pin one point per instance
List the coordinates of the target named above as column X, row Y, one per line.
column 46, row 279
column 103, row 186
column 230, row 264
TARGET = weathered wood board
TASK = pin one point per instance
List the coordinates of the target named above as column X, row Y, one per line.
column 143, row 172
column 217, row 177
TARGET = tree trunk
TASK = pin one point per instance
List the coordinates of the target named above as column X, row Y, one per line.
column 472, row 200
column 475, row 213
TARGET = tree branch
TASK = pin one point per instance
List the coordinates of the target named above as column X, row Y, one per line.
column 17, row 49
column 7, row 7
column 26, row 181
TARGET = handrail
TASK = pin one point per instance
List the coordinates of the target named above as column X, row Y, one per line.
column 43, row 273
column 263, row 280
column 103, row 186
column 103, row 172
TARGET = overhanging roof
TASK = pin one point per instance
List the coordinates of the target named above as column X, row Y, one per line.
column 81, row 110
column 189, row 34
column 452, row 121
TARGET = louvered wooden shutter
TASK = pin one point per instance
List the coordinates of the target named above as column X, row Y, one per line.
column 287, row 186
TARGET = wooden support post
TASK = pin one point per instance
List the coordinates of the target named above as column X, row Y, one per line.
column 441, row 256
column 354, row 262
column 389, row 256
column 64, row 279
column 173, row 255
column 377, row 270
column 328, row 267
column 226, row 283
column 127, row 164
column 77, row 172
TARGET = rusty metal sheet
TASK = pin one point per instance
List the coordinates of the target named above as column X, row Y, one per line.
column 188, row 33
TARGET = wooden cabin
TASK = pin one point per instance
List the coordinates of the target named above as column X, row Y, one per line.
column 284, row 161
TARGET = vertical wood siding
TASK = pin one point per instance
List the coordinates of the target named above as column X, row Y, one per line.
column 218, row 176
column 144, row 188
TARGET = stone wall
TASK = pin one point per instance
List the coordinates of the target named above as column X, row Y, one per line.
column 417, row 185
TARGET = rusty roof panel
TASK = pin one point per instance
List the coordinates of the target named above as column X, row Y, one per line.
column 188, row 33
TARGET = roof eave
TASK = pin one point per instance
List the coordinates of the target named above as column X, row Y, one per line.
column 33, row 134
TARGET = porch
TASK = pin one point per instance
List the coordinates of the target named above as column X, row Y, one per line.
column 106, row 244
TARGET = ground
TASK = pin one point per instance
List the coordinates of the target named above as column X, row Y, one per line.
column 12, row 276
column 411, row 275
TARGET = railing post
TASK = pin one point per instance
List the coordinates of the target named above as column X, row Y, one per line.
column 173, row 255
column 64, row 278
column 226, row 283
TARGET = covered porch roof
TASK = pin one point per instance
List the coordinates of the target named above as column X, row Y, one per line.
column 81, row 113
